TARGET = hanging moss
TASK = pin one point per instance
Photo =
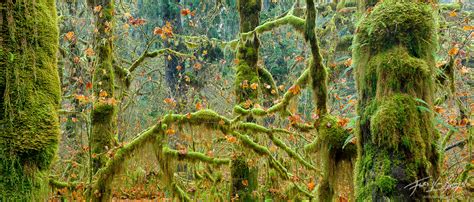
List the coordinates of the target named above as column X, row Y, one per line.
column 394, row 66
column 29, row 98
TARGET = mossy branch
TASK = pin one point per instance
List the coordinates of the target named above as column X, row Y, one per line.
column 195, row 156
column 181, row 193
column 106, row 174
column 60, row 185
column 290, row 152
column 156, row 53
column 288, row 19
column 281, row 106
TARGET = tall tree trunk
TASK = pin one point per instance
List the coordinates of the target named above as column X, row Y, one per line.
column 246, row 75
column 104, row 115
column 333, row 158
column 394, row 63
column 29, row 97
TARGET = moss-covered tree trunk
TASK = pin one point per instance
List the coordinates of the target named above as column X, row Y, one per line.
column 29, row 98
column 394, row 63
column 335, row 162
column 103, row 117
column 244, row 178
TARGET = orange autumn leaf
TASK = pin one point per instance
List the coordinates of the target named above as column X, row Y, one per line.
column 170, row 131
column 453, row 51
column 197, row 66
column 245, row 183
column 311, row 185
column 185, row 12
column 89, row 52
column 88, row 85
column 103, row 93
column 170, row 101
column 69, row 36
column 179, row 67
column 231, row 139
column 199, row 106
column 158, row 31
column 295, row 89
column 299, row 58
column 342, row 122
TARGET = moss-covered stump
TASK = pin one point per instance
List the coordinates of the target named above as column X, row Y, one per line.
column 104, row 116
column 29, row 98
column 394, row 62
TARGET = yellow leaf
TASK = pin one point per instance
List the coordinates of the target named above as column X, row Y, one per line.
column 468, row 28
column 254, row 86
column 453, row 14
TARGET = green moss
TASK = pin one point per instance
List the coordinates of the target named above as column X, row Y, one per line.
column 394, row 60
column 394, row 23
column 331, row 133
column 195, row 156
column 29, row 98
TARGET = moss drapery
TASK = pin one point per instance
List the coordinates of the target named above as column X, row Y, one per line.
column 394, row 63
column 29, row 97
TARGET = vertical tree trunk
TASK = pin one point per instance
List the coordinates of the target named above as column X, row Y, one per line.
column 333, row 158
column 29, row 97
column 394, row 63
column 104, row 115
column 247, row 74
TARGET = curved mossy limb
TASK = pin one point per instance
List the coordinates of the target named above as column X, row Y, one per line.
column 394, row 66
column 102, row 188
column 29, row 98
column 104, row 115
